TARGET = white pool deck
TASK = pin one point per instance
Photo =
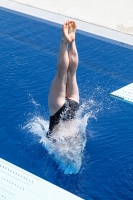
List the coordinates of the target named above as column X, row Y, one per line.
column 110, row 19
column 116, row 15
column 124, row 94
column 18, row 184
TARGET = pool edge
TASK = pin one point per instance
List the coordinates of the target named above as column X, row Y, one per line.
column 85, row 28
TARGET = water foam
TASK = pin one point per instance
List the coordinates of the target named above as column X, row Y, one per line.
column 67, row 145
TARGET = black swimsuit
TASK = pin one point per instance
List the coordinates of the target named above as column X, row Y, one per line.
column 66, row 112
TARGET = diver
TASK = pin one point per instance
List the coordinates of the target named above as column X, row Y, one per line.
column 63, row 99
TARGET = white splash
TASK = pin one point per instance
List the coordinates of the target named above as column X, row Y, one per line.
column 67, row 145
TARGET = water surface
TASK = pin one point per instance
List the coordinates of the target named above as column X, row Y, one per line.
column 28, row 57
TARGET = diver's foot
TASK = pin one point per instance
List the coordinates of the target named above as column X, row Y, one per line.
column 66, row 36
column 72, row 30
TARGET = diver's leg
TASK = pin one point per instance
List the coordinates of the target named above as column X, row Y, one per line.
column 57, row 91
column 72, row 91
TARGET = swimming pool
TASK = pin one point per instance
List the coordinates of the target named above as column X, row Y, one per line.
column 29, row 50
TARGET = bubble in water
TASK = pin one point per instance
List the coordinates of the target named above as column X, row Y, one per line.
column 65, row 146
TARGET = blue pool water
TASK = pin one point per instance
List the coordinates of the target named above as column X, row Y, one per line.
column 28, row 56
